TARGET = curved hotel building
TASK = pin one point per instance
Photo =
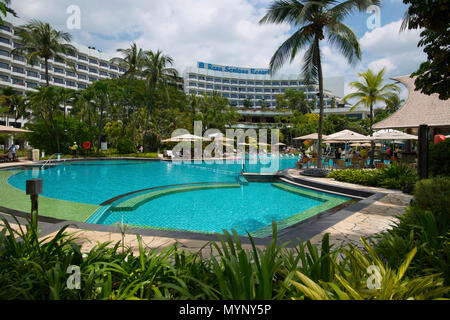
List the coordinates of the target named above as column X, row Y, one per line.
column 260, row 87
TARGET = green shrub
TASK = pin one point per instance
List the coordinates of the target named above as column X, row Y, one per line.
column 125, row 146
column 429, row 194
column 438, row 158
column 396, row 176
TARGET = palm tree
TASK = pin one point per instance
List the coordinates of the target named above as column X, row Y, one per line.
column 370, row 91
column 157, row 71
column 5, row 9
column 132, row 61
column 65, row 95
column 394, row 103
column 40, row 41
column 315, row 20
column 6, row 98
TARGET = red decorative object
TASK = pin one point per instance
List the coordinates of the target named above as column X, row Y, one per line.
column 439, row 138
column 86, row 145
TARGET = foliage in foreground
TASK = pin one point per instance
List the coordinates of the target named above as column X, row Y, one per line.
column 394, row 176
column 37, row 269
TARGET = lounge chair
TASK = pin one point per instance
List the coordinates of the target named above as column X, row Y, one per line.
column 314, row 162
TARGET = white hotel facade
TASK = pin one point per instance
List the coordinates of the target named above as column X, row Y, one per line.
column 258, row 85
column 90, row 65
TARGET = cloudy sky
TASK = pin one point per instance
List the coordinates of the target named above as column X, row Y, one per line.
column 224, row 32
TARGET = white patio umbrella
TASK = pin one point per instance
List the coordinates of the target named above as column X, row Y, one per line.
column 312, row 136
column 12, row 130
column 220, row 137
column 390, row 134
column 186, row 137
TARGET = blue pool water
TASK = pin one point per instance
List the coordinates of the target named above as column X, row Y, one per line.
column 244, row 208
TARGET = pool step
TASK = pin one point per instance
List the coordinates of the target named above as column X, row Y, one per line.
column 134, row 203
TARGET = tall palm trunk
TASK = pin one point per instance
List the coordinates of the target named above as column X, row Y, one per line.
column 46, row 72
column 100, row 127
column 372, row 143
column 320, row 76
column 134, row 125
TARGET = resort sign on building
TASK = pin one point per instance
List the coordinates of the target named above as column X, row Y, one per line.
column 214, row 67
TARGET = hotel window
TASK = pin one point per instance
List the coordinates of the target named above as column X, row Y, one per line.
column 234, row 81
column 82, row 77
column 250, row 83
column 192, row 76
column 18, row 81
column 234, row 89
column 122, row 70
column 250, row 90
column 103, row 73
column 111, row 67
column 43, row 77
column 225, row 95
column 91, row 79
column 32, row 74
column 258, row 83
column 192, row 91
column 242, row 82
column 103, row 64
column 209, row 79
column 208, row 86
column 59, row 60
column 258, row 97
column 58, row 80
column 93, row 61
column 234, row 103
column 4, row 40
column 18, row 58
column 192, row 84
column 92, row 70
column 218, row 80
column 4, row 65
column 258, row 90
column 81, row 86
column 293, row 83
column 80, row 57
column 250, row 96
column 275, row 90
column 112, row 75
column 226, row 88
column 275, row 83
column 82, row 67
column 217, row 88
column 201, row 85
column 58, row 70
column 18, row 69
column 201, row 78
column 31, row 84
column 284, row 83
column 17, row 45
column 70, row 83
column 4, row 78
column 234, row 95
column 70, row 74
column 226, row 81
column 4, row 53
column 242, row 96
column 267, row 90
column 242, row 90
column 6, row 28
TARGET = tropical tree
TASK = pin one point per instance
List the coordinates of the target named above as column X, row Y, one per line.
column 369, row 91
column 132, row 61
column 5, row 9
column 315, row 20
column 394, row 103
column 158, row 73
column 65, row 96
column 295, row 100
column 40, row 41
column 45, row 104
column 6, row 97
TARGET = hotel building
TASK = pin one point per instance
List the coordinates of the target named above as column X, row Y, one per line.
column 260, row 88
column 90, row 65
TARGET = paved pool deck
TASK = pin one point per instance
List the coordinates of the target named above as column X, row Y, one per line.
column 365, row 218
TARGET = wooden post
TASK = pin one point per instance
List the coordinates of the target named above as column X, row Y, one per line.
column 423, row 152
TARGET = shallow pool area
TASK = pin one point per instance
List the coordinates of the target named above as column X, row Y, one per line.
column 196, row 197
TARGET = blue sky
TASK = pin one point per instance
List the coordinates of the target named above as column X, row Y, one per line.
column 224, row 32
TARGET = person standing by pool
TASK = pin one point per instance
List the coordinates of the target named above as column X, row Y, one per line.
column 74, row 148
column 13, row 150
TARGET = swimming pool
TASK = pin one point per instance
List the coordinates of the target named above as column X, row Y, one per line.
column 196, row 197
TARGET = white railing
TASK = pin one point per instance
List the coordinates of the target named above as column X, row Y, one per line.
column 49, row 160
